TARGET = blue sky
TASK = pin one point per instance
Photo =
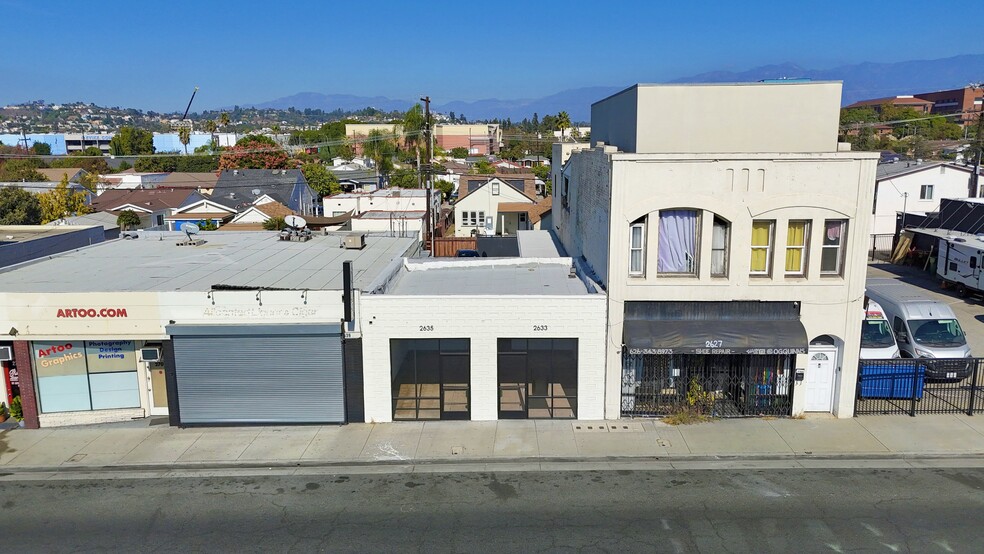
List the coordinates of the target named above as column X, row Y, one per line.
column 151, row 55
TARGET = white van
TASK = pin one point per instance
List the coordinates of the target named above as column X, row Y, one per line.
column 877, row 339
column 924, row 328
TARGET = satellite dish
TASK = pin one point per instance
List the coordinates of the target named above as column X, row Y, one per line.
column 190, row 229
column 295, row 221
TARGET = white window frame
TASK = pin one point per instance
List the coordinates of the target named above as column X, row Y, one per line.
column 495, row 189
column 804, row 249
column 839, row 247
column 727, row 245
column 926, row 192
column 641, row 248
column 768, row 248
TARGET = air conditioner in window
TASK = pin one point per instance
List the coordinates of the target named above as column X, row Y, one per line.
column 6, row 353
column 150, row 354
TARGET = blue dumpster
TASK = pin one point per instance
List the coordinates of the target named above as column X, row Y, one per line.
column 891, row 380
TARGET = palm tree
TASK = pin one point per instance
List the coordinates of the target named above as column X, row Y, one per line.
column 224, row 119
column 211, row 127
column 184, row 135
column 563, row 123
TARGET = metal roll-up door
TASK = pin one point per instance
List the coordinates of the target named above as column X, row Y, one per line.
column 258, row 373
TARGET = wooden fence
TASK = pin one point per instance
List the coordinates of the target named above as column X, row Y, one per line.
column 447, row 247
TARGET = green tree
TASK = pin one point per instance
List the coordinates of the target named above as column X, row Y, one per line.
column 275, row 223
column 459, row 152
column 413, row 126
column 91, row 151
column 484, row 167
column 19, row 207
column 563, row 123
column 380, row 150
column 405, row 178
column 255, row 152
column 41, row 149
column 320, row 179
column 62, row 202
column 93, row 163
column 542, row 171
column 445, row 187
column 130, row 141
column 20, row 170
column 128, row 219
column 184, row 135
column 224, row 120
column 124, row 165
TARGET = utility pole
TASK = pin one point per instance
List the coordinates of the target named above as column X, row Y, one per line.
column 427, row 167
column 979, row 151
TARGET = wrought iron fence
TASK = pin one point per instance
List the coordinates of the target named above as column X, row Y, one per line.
column 920, row 386
column 727, row 386
column 881, row 247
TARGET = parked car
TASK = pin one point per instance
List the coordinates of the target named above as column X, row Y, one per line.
column 877, row 339
column 924, row 328
column 463, row 253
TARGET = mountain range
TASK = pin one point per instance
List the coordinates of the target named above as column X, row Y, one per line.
column 861, row 81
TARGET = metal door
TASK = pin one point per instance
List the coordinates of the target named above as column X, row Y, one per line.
column 258, row 373
column 819, row 381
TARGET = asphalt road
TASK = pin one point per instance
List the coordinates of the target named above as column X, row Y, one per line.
column 866, row 510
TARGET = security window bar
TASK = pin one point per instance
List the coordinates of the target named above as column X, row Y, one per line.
column 832, row 257
column 637, row 248
column 797, row 236
column 761, row 261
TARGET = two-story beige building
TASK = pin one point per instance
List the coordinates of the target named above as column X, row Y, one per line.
column 729, row 229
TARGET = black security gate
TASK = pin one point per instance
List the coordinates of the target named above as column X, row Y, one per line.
column 720, row 385
column 920, row 386
column 248, row 374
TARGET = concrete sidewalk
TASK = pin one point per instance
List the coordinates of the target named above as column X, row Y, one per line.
column 144, row 446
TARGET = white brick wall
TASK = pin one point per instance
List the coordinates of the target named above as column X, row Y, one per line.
column 483, row 319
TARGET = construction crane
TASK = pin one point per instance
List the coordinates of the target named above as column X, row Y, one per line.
column 181, row 123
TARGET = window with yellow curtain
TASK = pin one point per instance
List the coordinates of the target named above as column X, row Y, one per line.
column 761, row 247
column 796, row 238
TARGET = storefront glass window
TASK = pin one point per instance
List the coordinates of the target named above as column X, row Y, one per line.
column 93, row 375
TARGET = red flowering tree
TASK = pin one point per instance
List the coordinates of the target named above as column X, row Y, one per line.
column 256, row 152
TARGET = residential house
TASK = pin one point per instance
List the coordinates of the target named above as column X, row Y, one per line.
column 202, row 182
column 384, row 200
column 914, row 187
column 732, row 248
column 533, row 161
column 494, row 205
column 153, row 206
column 240, row 188
column 129, row 180
column 52, row 178
column 200, row 210
column 253, row 217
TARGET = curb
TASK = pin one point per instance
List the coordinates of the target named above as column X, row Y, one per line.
column 282, row 465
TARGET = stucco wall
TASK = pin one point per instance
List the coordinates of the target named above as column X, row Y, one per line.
column 582, row 224
column 483, row 320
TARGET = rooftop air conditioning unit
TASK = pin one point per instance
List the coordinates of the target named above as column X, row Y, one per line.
column 6, row 353
column 355, row 241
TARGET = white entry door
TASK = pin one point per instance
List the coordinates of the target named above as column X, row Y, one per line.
column 819, row 380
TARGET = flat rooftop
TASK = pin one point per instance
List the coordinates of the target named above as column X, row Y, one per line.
column 384, row 214
column 154, row 262
column 21, row 233
column 384, row 193
column 485, row 277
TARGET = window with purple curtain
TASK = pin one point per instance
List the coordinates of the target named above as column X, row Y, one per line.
column 677, row 245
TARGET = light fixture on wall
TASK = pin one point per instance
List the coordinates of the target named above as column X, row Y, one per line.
column 13, row 332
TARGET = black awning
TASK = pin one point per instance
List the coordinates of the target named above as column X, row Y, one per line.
column 722, row 336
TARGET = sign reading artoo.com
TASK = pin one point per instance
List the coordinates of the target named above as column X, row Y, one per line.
column 91, row 312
